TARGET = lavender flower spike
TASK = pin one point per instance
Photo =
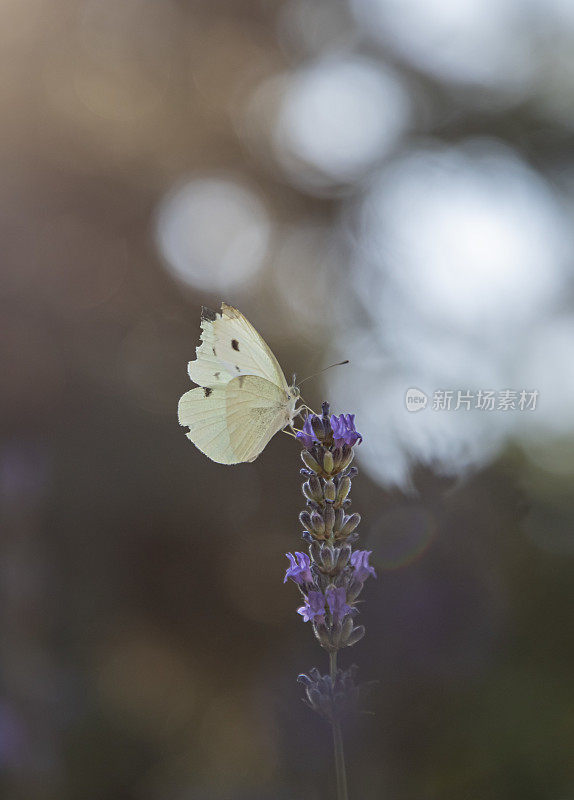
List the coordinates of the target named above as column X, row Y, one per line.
column 360, row 563
column 299, row 571
column 331, row 577
column 314, row 607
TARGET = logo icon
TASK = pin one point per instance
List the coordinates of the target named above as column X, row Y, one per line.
column 415, row 400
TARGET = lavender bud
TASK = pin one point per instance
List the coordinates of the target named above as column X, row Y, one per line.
column 327, row 557
column 347, row 456
column 317, row 523
column 343, row 489
column 329, row 491
column 351, row 523
column 315, row 551
column 310, row 461
column 356, row 635
column 318, row 427
column 329, row 516
column 315, row 487
column 306, row 679
column 354, row 590
column 343, row 557
column 322, row 636
column 346, row 630
column 314, row 696
column 328, row 462
column 307, row 493
column 337, row 457
column 307, row 537
column 305, row 519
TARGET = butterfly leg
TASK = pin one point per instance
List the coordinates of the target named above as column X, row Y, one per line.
column 304, row 407
column 297, row 413
column 293, row 432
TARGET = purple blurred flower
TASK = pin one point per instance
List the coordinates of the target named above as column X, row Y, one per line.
column 314, row 607
column 337, row 602
column 344, row 430
column 360, row 563
column 299, row 571
column 307, row 434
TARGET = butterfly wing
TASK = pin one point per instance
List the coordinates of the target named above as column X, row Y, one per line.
column 233, row 423
column 230, row 346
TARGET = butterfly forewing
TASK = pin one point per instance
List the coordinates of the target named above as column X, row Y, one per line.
column 230, row 346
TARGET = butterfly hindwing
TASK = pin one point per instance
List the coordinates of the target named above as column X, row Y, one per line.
column 233, row 423
column 230, row 346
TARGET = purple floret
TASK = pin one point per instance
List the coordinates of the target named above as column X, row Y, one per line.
column 307, row 434
column 299, row 571
column 314, row 607
column 337, row 602
column 360, row 563
column 344, row 431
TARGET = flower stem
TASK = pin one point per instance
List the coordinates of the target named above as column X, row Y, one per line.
column 340, row 770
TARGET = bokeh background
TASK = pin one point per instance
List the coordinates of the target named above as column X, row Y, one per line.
column 388, row 181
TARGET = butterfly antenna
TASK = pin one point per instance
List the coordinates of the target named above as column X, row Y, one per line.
column 338, row 364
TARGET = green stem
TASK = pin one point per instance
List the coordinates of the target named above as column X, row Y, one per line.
column 340, row 770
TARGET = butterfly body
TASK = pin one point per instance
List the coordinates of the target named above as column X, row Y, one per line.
column 243, row 398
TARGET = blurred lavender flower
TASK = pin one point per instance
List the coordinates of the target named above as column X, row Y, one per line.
column 360, row 562
column 333, row 698
column 314, row 607
column 337, row 602
column 331, row 577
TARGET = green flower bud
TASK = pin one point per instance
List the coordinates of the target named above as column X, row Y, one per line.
column 329, row 491
column 327, row 557
column 329, row 517
column 305, row 520
column 356, row 635
column 317, row 523
column 328, row 462
column 310, row 461
column 315, row 487
column 346, row 631
column 343, row 489
column 343, row 557
column 351, row 523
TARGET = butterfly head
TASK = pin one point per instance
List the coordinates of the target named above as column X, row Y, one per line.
column 294, row 391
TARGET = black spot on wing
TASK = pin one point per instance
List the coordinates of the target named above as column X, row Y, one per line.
column 235, row 344
column 238, row 368
column 213, row 351
column 217, row 374
column 207, row 391
column 208, row 314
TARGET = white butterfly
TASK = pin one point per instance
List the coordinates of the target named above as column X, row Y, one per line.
column 243, row 398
